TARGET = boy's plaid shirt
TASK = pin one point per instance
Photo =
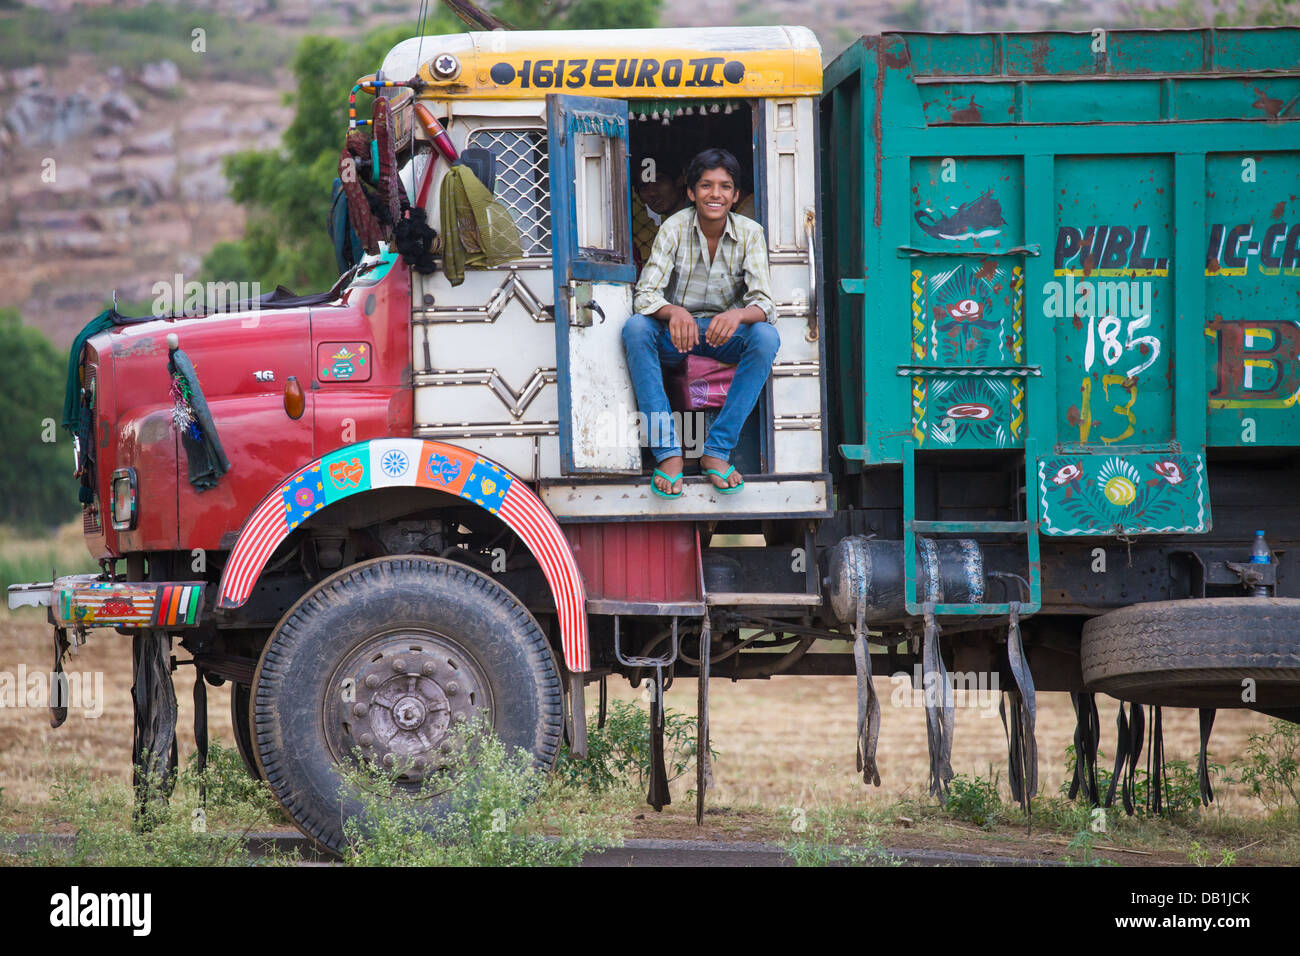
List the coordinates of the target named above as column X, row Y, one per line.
column 678, row 272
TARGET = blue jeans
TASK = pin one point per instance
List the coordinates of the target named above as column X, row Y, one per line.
column 650, row 350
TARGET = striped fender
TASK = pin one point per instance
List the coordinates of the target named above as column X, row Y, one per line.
column 393, row 462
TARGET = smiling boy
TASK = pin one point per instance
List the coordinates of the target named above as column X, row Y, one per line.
column 706, row 290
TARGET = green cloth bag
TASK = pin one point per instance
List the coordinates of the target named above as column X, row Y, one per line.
column 477, row 230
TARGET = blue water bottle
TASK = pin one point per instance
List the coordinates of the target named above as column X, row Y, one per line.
column 1260, row 554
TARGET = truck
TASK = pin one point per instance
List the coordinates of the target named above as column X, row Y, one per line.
column 1033, row 414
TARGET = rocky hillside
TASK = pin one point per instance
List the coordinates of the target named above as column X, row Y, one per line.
column 114, row 182
column 113, row 175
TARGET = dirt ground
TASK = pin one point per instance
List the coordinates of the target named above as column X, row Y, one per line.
column 783, row 743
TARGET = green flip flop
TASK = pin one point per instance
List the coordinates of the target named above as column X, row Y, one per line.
column 725, row 491
column 671, row 479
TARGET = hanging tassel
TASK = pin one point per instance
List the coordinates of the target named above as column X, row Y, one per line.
column 1015, row 754
column 868, row 704
column 389, row 183
column 1156, row 763
column 1121, row 757
column 201, row 731
column 1087, row 735
column 183, row 415
column 658, row 795
column 703, row 765
column 939, row 711
column 362, row 217
column 604, row 705
column 1206, row 715
column 1024, row 712
column 1133, row 757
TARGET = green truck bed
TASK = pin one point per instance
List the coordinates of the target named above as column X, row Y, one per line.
column 1085, row 246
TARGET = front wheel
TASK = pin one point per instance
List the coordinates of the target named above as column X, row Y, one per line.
column 381, row 659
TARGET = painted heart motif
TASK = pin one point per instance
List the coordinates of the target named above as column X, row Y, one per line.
column 347, row 474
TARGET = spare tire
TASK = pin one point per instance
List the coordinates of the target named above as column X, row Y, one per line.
column 1197, row 653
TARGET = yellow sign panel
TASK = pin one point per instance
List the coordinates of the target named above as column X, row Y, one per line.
column 629, row 74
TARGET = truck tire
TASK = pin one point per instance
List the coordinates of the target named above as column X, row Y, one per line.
column 424, row 641
column 1197, row 653
column 241, row 720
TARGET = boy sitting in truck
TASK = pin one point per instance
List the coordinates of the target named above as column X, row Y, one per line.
column 706, row 290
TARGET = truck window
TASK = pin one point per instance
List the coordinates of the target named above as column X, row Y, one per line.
column 523, row 182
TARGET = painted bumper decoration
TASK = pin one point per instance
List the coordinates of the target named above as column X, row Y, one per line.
column 82, row 603
column 1109, row 494
column 426, row 464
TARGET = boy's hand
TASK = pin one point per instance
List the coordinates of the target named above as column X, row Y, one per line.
column 683, row 330
column 722, row 328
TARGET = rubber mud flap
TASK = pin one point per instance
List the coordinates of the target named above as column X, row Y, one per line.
column 1207, row 652
column 241, row 720
column 380, row 658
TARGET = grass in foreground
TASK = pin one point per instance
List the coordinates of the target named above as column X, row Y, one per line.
column 495, row 809
column 501, row 811
column 205, row 822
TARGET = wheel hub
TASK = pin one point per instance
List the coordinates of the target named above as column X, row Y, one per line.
column 409, row 712
column 397, row 697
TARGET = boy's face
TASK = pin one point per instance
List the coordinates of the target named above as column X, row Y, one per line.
column 713, row 195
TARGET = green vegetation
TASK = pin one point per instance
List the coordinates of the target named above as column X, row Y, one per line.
column 822, row 840
column 975, row 800
column 578, row 14
column 496, row 809
column 184, row 831
column 29, row 568
column 36, row 471
column 1083, row 846
column 1222, row 13
column 827, row 833
column 1180, row 788
column 226, row 782
column 1197, row 856
column 134, row 36
column 1272, row 766
column 908, row 15
column 618, row 754
column 286, row 192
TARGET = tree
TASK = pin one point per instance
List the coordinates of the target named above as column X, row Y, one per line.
column 36, row 469
column 579, row 14
column 1222, row 13
column 286, row 192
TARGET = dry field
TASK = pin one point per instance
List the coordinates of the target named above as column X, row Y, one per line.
column 781, row 743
